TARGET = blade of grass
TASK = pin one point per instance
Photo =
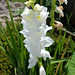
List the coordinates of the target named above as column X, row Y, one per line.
column 23, row 56
column 18, row 38
column 72, row 45
column 9, row 44
column 58, row 60
column 11, row 49
column 60, row 40
column 19, row 64
column 24, row 66
column 22, row 50
column 9, row 56
column 13, row 41
column 60, row 69
column 57, row 47
column 62, row 56
column 15, row 71
column 25, row 61
column 12, row 21
column 13, row 24
column 62, row 43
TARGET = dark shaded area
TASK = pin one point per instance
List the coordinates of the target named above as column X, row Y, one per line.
column 68, row 10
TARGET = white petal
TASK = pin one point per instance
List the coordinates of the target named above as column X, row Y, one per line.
column 24, row 32
column 33, row 47
column 42, row 71
column 32, row 62
column 42, row 17
column 44, row 54
column 24, row 24
column 45, row 28
column 47, row 41
column 66, row 2
column 63, row 1
column 38, row 8
column 26, row 10
column 48, row 28
column 29, row 15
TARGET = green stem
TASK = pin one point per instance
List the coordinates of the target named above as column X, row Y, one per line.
column 52, row 12
column 15, row 72
column 53, row 6
column 39, row 63
column 40, row 2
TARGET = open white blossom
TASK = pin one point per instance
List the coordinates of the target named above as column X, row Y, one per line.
column 42, row 71
column 34, row 30
column 63, row 1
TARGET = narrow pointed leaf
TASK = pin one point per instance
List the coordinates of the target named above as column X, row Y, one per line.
column 9, row 44
column 9, row 56
column 58, row 60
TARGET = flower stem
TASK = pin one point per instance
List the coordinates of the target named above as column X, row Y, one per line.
column 52, row 12
column 53, row 6
column 15, row 72
column 39, row 62
column 40, row 2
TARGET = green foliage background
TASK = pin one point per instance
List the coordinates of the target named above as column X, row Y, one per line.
column 6, row 67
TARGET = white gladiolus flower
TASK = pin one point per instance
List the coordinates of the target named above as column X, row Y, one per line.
column 34, row 30
column 63, row 1
column 42, row 71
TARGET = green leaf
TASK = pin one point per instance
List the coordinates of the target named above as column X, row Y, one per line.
column 12, row 21
column 71, row 65
column 1, row 48
column 16, row 52
column 11, row 49
column 58, row 60
column 11, row 58
column 22, row 50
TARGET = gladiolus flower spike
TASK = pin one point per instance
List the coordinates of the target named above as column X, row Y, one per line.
column 34, row 30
